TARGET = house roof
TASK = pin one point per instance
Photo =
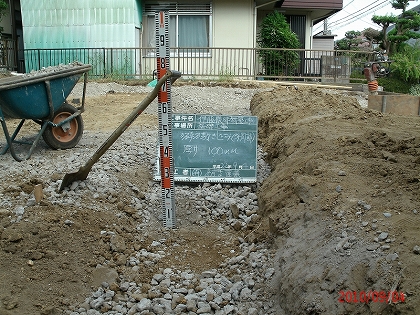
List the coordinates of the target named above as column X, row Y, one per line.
column 416, row 8
column 322, row 35
column 320, row 10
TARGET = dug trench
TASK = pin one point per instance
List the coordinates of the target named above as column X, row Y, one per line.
column 342, row 200
column 339, row 211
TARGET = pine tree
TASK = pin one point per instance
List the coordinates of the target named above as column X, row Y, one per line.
column 404, row 24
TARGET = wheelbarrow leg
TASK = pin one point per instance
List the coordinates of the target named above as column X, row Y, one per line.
column 37, row 138
column 10, row 140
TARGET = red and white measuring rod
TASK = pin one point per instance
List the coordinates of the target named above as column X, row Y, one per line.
column 165, row 120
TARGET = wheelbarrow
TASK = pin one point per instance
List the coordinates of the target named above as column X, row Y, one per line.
column 41, row 97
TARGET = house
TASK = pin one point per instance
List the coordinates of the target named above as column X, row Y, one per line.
column 50, row 24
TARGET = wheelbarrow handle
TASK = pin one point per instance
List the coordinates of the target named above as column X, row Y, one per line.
column 84, row 170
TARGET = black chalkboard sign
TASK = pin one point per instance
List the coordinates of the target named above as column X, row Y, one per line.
column 215, row 148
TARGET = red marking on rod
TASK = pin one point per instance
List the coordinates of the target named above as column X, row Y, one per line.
column 161, row 19
column 165, row 168
column 160, row 70
column 164, row 97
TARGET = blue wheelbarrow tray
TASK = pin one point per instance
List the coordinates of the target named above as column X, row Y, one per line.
column 38, row 97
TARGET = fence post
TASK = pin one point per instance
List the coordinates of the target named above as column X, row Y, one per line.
column 39, row 59
column 254, row 66
column 335, row 67
column 15, row 56
column 112, row 65
column 103, row 51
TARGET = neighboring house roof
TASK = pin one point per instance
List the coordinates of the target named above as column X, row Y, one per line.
column 416, row 9
column 323, row 35
column 312, row 4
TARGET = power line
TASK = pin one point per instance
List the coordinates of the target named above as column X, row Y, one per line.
column 341, row 9
column 366, row 7
column 341, row 25
column 348, row 4
column 356, row 15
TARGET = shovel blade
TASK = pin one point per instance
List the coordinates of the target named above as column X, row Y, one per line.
column 69, row 178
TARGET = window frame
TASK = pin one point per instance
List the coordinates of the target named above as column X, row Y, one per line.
column 177, row 9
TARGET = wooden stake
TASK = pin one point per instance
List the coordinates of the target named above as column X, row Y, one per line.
column 38, row 193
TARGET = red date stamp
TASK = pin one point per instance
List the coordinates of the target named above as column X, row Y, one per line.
column 371, row 296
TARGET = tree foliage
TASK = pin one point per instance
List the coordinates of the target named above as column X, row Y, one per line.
column 372, row 35
column 406, row 63
column 404, row 24
column 355, row 40
column 275, row 32
column 351, row 40
column 3, row 11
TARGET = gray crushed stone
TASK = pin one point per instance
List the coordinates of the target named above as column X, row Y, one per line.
column 248, row 292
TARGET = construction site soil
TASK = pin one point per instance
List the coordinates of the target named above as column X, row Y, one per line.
column 341, row 210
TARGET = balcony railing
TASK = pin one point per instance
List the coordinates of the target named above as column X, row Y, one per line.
column 207, row 63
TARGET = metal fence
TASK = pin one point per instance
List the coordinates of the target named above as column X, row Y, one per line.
column 208, row 63
column 8, row 57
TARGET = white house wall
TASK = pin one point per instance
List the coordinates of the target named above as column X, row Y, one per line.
column 320, row 43
column 233, row 23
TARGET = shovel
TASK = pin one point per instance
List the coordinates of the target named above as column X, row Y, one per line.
column 83, row 172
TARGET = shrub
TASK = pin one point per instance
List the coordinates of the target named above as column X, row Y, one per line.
column 275, row 33
column 406, row 64
column 357, row 76
column 394, row 84
column 3, row 11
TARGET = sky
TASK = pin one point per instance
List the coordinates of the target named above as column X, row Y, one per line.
column 356, row 15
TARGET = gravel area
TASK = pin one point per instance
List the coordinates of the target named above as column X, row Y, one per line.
column 213, row 291
column 239, row 285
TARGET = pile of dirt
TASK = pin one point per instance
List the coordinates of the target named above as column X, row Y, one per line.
column 342, row 200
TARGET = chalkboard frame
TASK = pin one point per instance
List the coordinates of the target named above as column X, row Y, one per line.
column 215, row 148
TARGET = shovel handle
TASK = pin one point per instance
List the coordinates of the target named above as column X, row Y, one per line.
column 129, row 120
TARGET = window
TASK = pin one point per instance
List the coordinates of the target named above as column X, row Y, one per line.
column 189, row 25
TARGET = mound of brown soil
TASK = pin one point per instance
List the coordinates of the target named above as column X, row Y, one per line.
column 342, row 200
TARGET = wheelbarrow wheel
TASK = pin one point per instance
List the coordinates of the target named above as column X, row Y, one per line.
column 67, row 135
